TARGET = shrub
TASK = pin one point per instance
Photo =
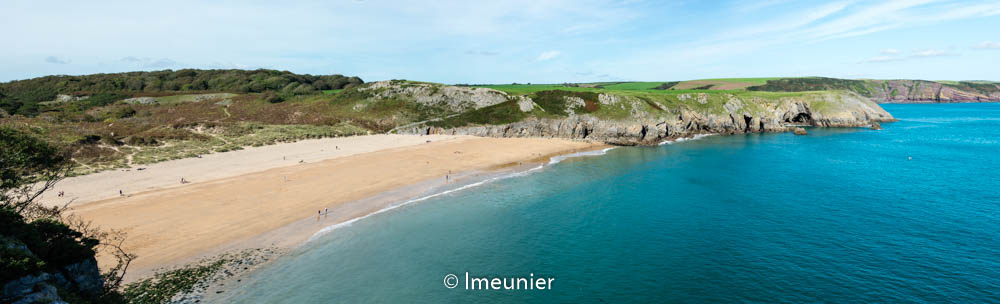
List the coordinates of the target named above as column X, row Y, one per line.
column 271, row 97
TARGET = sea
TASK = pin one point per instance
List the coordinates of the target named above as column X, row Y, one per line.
column 906, row 214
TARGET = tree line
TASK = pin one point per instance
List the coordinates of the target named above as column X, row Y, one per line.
column 23, row 96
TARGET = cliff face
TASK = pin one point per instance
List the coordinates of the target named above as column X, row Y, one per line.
column 448, row 98
column 919, row 91
column 644, row 121
column 892, row 91
column 83, row 278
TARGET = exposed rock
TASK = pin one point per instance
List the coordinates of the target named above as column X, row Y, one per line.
column 645, row 128
column 61, row 98
column 23, row 285
column 573, row 102
column 800, row 131
column 457, row 99
column 237, row 265
column 919, row 91
column 876, row 126
column 140, row 100
column 525, row 103
column 46, row 294
column 83, row 278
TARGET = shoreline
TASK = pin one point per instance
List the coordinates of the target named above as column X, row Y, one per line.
column 217, row 285
column 172, row 227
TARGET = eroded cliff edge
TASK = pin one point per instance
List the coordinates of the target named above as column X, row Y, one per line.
column 626, row 118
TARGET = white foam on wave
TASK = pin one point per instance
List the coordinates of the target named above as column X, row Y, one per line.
column 559, row 158
column 553, row 160
column 682, row 139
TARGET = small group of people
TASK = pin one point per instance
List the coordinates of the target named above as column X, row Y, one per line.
column 324, row 212
column 61, row 193
column 184, row 181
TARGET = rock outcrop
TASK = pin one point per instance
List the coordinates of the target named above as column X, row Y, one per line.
column 919, row 91
column 649, row 122
column 83, row 277
column 456, row 99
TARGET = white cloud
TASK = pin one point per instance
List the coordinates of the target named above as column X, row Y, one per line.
column 932, row 53
column 548, row 55
column 147, row 62
column 881, row 59
column 56, row 60
column 890, row 55
column 988, row 45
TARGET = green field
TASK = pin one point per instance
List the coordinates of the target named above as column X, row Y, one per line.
column 623, row 87
column 755, row 81
column 685, row 86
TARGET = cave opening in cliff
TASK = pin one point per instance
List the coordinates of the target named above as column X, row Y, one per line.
column 803, row 117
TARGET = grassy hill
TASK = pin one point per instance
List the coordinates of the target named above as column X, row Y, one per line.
column 32, row 96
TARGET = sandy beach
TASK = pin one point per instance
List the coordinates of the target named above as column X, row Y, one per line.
column 104, row 185
column 238, row 197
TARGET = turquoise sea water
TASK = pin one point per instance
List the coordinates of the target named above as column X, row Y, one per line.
column 839, row 215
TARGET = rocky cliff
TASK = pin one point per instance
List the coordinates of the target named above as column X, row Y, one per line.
column 81, row 277
column 919, row 91
column 648, row 119
column 892, row 91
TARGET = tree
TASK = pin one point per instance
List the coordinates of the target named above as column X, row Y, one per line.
column 28, row 168
column 271, row 97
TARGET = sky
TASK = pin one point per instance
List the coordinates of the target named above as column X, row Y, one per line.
column 525, row 41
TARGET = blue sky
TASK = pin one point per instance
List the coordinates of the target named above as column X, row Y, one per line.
column 507, row 41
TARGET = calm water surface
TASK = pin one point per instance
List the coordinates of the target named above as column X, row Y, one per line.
column 839, row 215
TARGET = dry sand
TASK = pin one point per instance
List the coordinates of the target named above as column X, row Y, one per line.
column 259, row 193
column 104, row 185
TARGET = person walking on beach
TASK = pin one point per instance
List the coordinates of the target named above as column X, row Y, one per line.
column 121, row 193
column 326, row 212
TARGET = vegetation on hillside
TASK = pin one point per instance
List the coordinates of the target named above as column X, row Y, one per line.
column 815, row 84
column 976, row 86
column 122, row 133
column 26, row 96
